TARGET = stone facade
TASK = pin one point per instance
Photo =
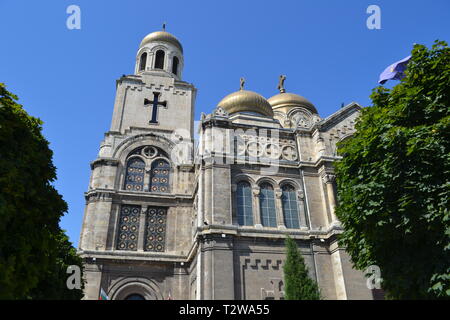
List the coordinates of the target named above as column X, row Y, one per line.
column 165, row 219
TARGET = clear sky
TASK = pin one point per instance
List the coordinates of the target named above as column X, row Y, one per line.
column 67, row 77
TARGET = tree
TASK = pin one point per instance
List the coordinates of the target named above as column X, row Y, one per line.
column 33, row 248
column 298, row 284
column 393, row 181
column 53, row 286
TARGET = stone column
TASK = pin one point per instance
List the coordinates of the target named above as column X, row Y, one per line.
column 141, row 232
column 321, row 148
column 256, row 213
column 302, row 210
column 234, row 219
column 328, row 180
column 147, row 175
column 279, row 209
column 92, row 275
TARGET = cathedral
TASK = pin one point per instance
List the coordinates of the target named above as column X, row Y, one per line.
column 168, row 216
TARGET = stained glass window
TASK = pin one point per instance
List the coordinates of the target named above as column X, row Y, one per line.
column 159, row 179
column 134, row 179
column 244, row 204
column 155, row 229
column 128, row 227
column 290, row 207
column 267, row 206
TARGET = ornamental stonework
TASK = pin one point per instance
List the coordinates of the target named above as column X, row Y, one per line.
column 266, row 147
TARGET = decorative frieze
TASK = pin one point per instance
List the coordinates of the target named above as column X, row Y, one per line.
column 265, row 264
column 266, row 147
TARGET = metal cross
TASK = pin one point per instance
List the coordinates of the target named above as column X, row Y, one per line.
column 155, row 104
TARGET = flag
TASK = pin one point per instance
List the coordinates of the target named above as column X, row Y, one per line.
column 395, row 71
column 103, row 295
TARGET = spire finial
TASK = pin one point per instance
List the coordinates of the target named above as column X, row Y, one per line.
column 164, row 26
column 281, row 84
column 242, row 83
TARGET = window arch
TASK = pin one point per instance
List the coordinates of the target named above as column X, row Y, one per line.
column 159, row 59
column 134, row 179
column 175, row 63
column 290, row 207
column 143, row 61
column 267, row 205
column 159, row 177
column 244, row 204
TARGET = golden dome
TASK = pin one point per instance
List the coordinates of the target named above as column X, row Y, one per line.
column 290, row 100
column 162, row 36
column 246, row 101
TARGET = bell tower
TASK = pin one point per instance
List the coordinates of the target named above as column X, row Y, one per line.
column 139, row 199
column 155, row 97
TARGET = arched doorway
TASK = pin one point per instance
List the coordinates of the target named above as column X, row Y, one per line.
column 133, row 288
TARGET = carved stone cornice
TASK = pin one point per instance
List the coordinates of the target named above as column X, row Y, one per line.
column 104, row 162
column 98, row 195
column 328, row 178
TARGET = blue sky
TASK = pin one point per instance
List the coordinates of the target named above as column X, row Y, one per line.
column 67, row 77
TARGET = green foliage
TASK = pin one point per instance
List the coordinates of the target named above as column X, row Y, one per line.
column 52, row 286
column 298, row 284
column 393, row 182
column 33, row 248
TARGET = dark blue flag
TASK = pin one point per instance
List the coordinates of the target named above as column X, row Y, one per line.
column 395, row 71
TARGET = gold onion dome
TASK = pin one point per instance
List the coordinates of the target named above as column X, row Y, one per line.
column 286, row 99
column 246, row 101
column 162, row 36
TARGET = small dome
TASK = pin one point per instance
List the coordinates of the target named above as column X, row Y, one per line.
column 290, row 100
column 162, row 36
column 246, row 101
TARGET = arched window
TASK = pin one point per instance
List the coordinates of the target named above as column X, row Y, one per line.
column 159, row 178
column 143, row 61
column 267, row 206
column 175, row 65
column 134, row 179
column 290, row 207
column 244, row 204
column 159, row 60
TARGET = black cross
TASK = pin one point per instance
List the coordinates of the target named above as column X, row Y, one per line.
column 155, row 103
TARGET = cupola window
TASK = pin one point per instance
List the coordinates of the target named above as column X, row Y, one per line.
column 175, row 65
column 143, row 61
column 159, row 60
